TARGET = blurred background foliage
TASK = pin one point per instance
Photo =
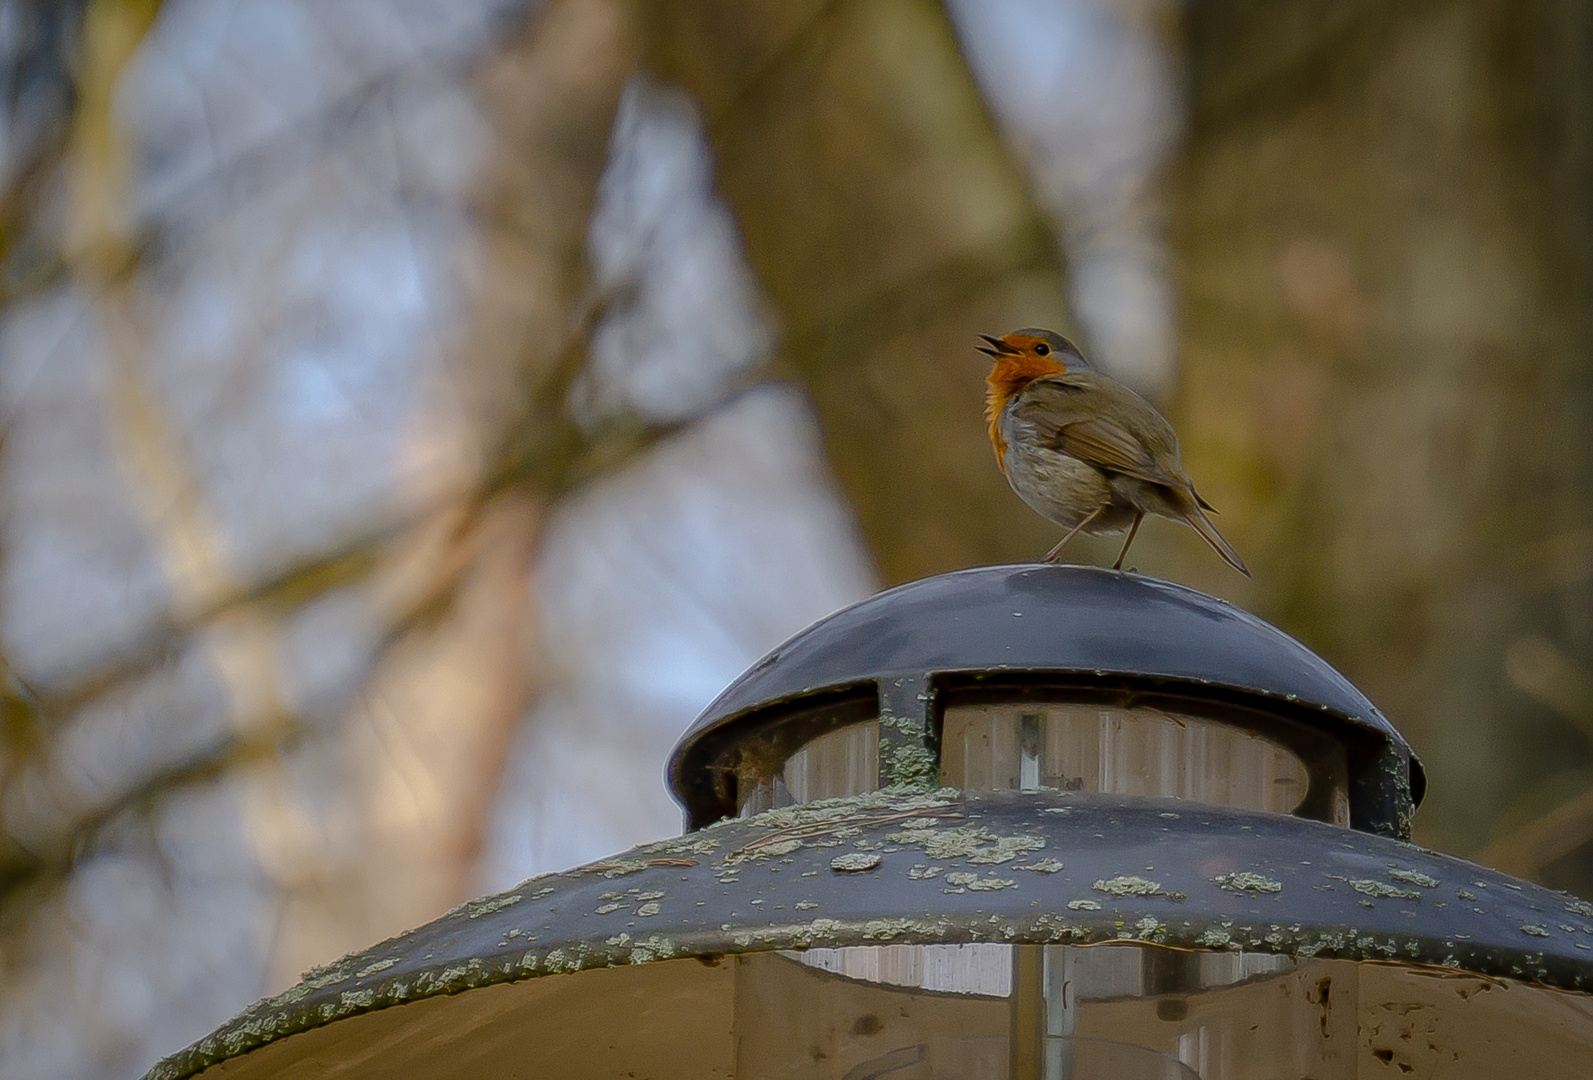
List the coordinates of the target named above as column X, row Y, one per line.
column 412, row 413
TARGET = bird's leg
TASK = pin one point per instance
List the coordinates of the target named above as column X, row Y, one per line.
column 1132, row 529
column 1051, row 556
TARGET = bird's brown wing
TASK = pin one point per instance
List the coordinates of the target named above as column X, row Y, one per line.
column 1101, row 424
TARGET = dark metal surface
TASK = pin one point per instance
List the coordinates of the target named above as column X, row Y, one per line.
column 946, row 866
column 1036, row 620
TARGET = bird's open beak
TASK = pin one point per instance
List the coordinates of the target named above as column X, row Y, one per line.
column 997, row 347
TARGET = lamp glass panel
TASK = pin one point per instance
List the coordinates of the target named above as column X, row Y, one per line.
column 915, row 1012
column 1028, row 746
column 836, row 764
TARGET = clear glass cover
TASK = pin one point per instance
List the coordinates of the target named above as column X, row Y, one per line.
column 1028, row 746
column 992, row 1056
column 1074, row 746
column 1015, row 1012
column 842, row 762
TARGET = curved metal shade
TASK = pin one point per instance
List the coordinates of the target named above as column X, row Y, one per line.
column 1041, row 620
column 949, row 866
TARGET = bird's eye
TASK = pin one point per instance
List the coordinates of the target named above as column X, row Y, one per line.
column 1041, row 349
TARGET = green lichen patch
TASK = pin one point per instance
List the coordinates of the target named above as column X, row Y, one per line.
column 1125, row 885
column 854, row 862
column 1378, row 889
column 1084, row 905
column 905, row 761
column 620, row 868
column 890, row 929
column 829, row 822
column 974, row 843
column 977, row 883
column 1245, row 881
column 1043, row 866
column 910, row 765
column 1414, row 877
column 690, row 844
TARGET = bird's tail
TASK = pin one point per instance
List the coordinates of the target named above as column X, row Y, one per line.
column 1197, row 520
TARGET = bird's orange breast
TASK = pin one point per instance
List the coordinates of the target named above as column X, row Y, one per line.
column 1007, row 378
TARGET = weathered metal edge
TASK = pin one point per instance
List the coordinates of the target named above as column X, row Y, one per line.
column 368, row 980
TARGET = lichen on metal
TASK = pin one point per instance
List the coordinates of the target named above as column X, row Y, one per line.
column 1133, row 885
column 1380, row 890
column 1101, row 843
column 477, row 908
column 977, row 845
column 962, row 880
column 1075, row 626
column 905, row 760
column 1240, row 881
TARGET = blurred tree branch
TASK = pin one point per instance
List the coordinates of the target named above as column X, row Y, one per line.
column 544, row 454
column 888, row 222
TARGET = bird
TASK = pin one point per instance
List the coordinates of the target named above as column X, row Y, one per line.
column 1083, row 450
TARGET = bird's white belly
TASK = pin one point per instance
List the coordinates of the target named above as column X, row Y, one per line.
column 1057, row 487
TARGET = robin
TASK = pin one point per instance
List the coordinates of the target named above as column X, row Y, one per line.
column 1083, row 450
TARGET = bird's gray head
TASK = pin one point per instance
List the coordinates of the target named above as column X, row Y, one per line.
column 1041, row 347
